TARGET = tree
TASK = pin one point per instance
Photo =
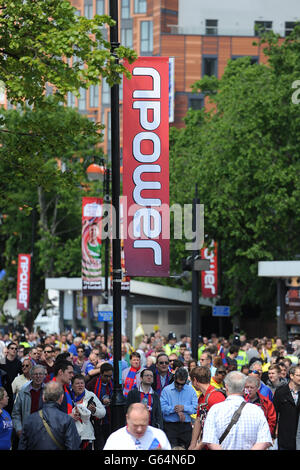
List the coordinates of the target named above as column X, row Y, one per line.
column 244, row 155
column 42, row 207
column 44, row 41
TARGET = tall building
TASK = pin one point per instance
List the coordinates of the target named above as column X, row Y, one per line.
column 200, row 36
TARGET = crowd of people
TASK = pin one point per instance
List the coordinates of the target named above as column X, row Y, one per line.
column 56, row 392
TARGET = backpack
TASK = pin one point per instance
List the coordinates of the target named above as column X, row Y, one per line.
column 203, row 410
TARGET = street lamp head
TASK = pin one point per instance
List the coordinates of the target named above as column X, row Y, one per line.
column 95, row 172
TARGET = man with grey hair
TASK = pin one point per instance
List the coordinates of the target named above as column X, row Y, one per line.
column 250, row 432
column 50, row 428
column 29, row 398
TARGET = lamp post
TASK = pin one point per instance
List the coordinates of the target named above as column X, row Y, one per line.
column 118, row 402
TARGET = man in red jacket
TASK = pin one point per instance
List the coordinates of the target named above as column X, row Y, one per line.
column 200, row 378
column 253, row 396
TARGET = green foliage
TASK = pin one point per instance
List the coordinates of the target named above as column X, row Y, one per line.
column 38, row 40
column 245, row 158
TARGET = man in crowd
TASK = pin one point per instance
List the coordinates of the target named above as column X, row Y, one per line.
column 287, row 406
column 29, row 400
column 131, row 376
column 137, row 434
column 63, row 434
column 12, row 367
column 161, row 374
column 145, row 394
column 102, row 386
column 178, row 402
column 253, row 396
column 206, row 360
column 63, row 373
column 251, row 431
column 201, row 381
column 256, row 369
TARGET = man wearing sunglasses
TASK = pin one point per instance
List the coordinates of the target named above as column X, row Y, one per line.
column 256, row 369
column 178, row 402
column 13, row 367
column 162, row 376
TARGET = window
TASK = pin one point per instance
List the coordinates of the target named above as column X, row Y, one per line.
column 146, row 37
column 88, row 9
column 261, row 27
column 140, row 6
column 149, row 317
column 196, row 102
column 126, row 33
column 82, row 100
column 71, row 100
column 211, row 27
column 210, row 66
column 289, row 26
column 94, row 96
column 105, row 93
column 176, row 317
column 253, row 59
column 100, row 7
column 125, row 9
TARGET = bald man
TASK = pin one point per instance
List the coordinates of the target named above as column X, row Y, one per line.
column 137, row 434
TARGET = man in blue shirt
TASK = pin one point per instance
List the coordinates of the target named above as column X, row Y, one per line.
column 256, row 369
column 178, row 402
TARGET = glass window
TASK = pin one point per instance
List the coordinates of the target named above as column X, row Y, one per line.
column 88, row 9
column 211, row 27
column 100, row 7
column 149, row 317
column 127, row 36
column 289, row 26
column 82, row 99
column 176, row 317
column 94, row 96
column 146, row 37
column 261, row 27
column 105, row 93
column 71, row 100
column 125, row 9
column 210, row 66
column 140, row 6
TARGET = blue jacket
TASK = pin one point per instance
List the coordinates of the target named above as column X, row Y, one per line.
column 35, row 437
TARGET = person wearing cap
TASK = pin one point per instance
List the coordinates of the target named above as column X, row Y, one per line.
column 171, row 346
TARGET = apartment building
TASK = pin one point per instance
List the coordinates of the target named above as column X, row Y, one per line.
column 200, row 36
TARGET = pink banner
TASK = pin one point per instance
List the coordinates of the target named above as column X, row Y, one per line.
column 146, row 167
column 23, row 282
column 209, row 279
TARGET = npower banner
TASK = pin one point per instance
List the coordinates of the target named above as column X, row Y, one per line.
column 146, row 167
column 209, row 279
column 92, row 211
column 23, row 282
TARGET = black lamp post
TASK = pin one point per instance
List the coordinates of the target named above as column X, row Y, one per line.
column 118, row 401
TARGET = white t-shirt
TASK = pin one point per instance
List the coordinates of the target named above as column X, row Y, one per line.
column 153, row 438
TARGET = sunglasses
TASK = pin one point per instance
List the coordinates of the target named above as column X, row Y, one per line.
column 163, row 362
column 255, row 372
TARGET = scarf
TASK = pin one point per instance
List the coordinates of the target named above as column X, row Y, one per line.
column 158, row 383
column 77, row 399
column 100, row 390
column 68, row 398
column 130, row 381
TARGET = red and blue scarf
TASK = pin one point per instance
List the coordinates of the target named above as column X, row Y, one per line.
column 68, row 397
column 130, row 381
column 100, row 390
column 159, row 386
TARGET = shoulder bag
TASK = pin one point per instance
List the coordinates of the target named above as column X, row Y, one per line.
column 233, row 421
column 49, row 431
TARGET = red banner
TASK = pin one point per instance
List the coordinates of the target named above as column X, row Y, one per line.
column 209, row 279
column 146, row 167
column 23, row 282
column 91, row 245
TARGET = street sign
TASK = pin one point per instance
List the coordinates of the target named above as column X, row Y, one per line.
column 221, row 311
column 105, row 312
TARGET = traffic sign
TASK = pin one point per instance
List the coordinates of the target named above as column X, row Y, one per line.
column 221, row 311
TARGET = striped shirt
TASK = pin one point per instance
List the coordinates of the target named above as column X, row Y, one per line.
column 251, row 428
